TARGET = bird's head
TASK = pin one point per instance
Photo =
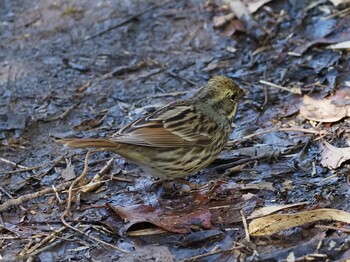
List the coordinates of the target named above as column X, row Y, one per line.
column 222, row 94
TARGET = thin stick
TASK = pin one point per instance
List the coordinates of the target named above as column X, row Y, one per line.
column 76, row 181
column 95, row 181
column 341, row 12
column 244, row 221
column 40, row 250
column 20, row 200
column 45, row 240
column 57, row 195
column 282, row 129
column 291, row 90
column 23, row 170
column 125, row 21
column 12, row 163
column 67, row 212
column 347, row 230
column 91, row 237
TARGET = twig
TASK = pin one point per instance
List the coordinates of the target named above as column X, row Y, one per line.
column 341, row 12
column 22, row 170
column 294, row 90
column 11, row 163
column 44, row 241
column 126, row 21
column 76, row 181
column 91, row 237
column 49, row 166
column 121, row 70
column 20, row 200
column 175, row 75
column 40, row 250
column 11, row 197
column 26, row 247
column 178, row 93
column 244, row 221
column 95, row 181
column 347, row 230
column 129, row 68
column 57, row 195
column 282, row 129
column 61, row 116
column 121, row 179
column 67, row 212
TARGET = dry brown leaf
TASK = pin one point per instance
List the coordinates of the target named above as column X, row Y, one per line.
column 233, row 26
column 333, row 157
column 322, row 110
column 272, row 224
column 176, row 222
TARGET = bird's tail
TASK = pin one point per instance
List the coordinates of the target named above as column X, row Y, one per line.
column 88, row 143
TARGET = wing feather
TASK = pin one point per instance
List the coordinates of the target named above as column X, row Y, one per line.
column 176, row 125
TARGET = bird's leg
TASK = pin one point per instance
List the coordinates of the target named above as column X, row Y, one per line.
column 192, row 186
column 154, row 186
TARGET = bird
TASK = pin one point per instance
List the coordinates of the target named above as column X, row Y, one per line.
column 178, row 139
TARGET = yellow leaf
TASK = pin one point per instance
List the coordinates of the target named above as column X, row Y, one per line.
column 274, row 223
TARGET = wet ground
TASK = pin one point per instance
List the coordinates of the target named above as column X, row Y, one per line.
column 84, row 69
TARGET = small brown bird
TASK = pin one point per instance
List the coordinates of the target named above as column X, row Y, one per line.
column 180, row 138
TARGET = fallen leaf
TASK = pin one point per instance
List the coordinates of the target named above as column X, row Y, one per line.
column 219, row 21
column 322, row 110
column 274, row 223
column 303, row 48
column 264, row 211
column 339, row 2
column 254, row 5
column 333, row 157
column 233, row 26
column 169, row 220
column 68, row 173
column 228, row 212
column 89, row 124
column 341, row 45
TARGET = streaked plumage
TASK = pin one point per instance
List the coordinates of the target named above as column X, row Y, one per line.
column 180, row 138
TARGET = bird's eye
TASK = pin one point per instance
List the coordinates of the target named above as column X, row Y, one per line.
column 233, row 97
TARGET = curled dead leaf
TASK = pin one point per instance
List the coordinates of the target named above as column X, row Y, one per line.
column 274, row 223
column 169, row 220
column 333, row 157
column 322, row 110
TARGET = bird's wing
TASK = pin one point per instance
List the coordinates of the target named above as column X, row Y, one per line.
column 176, row 125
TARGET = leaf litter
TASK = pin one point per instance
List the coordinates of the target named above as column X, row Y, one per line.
column 276, row 156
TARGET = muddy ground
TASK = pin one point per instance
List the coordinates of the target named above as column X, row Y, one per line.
column 85, row 68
